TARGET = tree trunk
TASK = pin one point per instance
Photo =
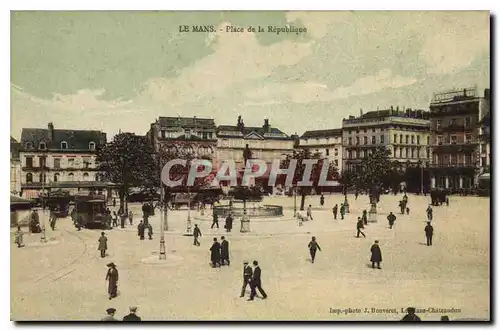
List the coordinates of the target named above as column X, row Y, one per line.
column 302, row 201
column 122, row 198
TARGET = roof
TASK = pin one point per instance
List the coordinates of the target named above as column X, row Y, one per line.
column 76, row 139
column 12, row 140
column 15, row 200
column 186, row 122
column 322, row 133
column 249, row 129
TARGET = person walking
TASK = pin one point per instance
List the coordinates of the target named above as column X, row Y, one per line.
column 215, row 254
column 364, row 217
column 123, row 217
column 103, row 244
column 356, row 195
column 112, row 278
column 132, row 316
column 376, row 255
column 247, row 277
column 141, row 228
column 360, row 226
column 335, row 211
column 110, row 315
column 391, row 218
column 130, row 217
column 447, row 201
column 196, row 235
column 256, row 282
column 224, row 251
column 150, row 231
column 229, row 222
column 429, row 232
column 215, row 221
column 313, row 247
column 342, row 211
column 18, row 237
column 53, row 219
column 322, row 200
column 115, row 219
column 407, row 210
column 309, row 213
column 429, row 213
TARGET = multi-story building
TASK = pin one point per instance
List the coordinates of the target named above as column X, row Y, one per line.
column 64, row 159
column 485, row 142
column 15, row 167
column 455, row 137
column 328, row 143
column 266, row 143
column 404, row 133
column 191, row 136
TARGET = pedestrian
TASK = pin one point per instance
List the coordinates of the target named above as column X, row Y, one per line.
column 335, row 210
column 130, row 216
column 53, row 219
column 309, row 212
column 109, row 219
column 141, row 229
column 447, row 201
column 376, row 255
column 132, row 316
column 322, row 200
column 103, row 244
column 112, row 278
column 115, row 219
column 429, row 213
column 391, row 218
column 410, row 316
column 196, row 235
column 407, row 210
column 360, row 226
column 364, row 217
column 313, row 247
column 356, row 195
column 429, row 232
column 150, row 231
column 256, row 282
column 215, row 254
column 224, row 251
column 110, row 317
column 247, row 277
column 402, row 206
column 123, row 217
column 342, row 211
column 229, row 222
column 18, row 235
column 215, row 221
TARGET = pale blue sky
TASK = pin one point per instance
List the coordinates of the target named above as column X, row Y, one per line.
column 121, row 70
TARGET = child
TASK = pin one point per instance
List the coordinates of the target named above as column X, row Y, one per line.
column 407, row 210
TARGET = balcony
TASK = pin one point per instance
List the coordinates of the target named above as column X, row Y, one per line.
column 35, row 168
column 454, row 128
column 453, row 165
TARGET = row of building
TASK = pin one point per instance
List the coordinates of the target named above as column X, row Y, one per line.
column 451, row 141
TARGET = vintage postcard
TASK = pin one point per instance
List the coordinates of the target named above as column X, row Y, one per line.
column 250, row 166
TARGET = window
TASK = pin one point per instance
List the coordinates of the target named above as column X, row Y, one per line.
column 401, row 152
column 162, row 134
column 373, row 129
column 86, row 162
column 407, row 154
column 374, row 140
column 187, row 133
column 395, row 138
column 336, row 163
column 438, row 124
column 71, row 177
column 439, row 140
column 468, row 138
column 29, row 161
column 357, row 140
column 400, row 138
column 418, row 140
column 29, row 178
column 395, row 151
column 412, row 139
column 357, row 130
column 453, row 139
column 42, row 145
column 64, row 145
column 350, row 131
column 467, row 122
column 365, row 140
column 92, row 146
column 56, row 177
column 382, row 139
column 29, row 145
column 350, row 141
column 349, row 154
column 43, row 161
column 483, row 161
column 57, row 163
column 336, row 152
column 453, row 122
column 85, row 176
column 327, row 151
column 42, row 178
column 412, row 153
column 71, row 162
column 407, row 139
column 428, row 140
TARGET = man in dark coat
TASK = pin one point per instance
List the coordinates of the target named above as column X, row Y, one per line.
column 256, row 282
column 141, row 229
column 247, row 277
column 112, row 278
column 335, row 211
column 215, row 254
column 322, row 200
column 150, row 231
column 53, row 219
column 313, row 248
column 110, row 317
column 391, row 218
column 103, row 244
column 429, row 231
column 376, row 255
column 410, row 316
column 229, row 222
column 115, row 219
column 360, row 226
column 132, row 317
column 224, row 251
column 123, row 217
column 342, row 211
column 429, row 213
column 215, row 221
column 196, row 234
column 364, row 217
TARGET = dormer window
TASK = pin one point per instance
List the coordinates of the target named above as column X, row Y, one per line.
column 42, row 145
column 29, row 145
column 64, row 145
column 92, row 146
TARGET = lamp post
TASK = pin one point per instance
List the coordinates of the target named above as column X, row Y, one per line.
column 43, row 238
column 163, row 251
column 295, row 200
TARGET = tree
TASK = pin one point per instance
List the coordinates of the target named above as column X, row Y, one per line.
column 347, row 179
column 127, row 160
column 376, row 170
column 300, row 156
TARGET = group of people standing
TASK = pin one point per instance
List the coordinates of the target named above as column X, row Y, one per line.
column 219, row 253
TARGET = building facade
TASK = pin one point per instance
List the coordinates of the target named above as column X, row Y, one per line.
column 191, row 136
column 328, row 143
column 15, row 167
column 485, row 142
column 456, row 147
column 53, row 158
column 404, row 133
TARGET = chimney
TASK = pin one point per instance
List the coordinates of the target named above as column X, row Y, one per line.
column 266, row 125
column 361, row 112
column 51, row 131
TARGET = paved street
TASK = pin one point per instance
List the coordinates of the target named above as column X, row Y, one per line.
column 65, row 281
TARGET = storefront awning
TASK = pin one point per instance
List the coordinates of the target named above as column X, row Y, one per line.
column 30, row 194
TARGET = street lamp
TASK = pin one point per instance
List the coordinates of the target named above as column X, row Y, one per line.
column 295, row 200
column 188, row 230
column 43, row 238
column 163, row 251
